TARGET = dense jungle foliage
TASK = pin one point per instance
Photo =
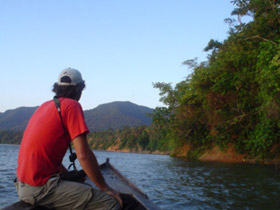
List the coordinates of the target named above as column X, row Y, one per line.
column 232, row 98
column 141, row 138
column 10, row 137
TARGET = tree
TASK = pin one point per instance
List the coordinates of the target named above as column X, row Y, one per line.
column 234, row 96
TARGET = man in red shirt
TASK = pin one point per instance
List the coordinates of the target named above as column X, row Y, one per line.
column 44, row 145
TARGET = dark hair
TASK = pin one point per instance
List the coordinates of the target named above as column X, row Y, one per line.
column 69, row 91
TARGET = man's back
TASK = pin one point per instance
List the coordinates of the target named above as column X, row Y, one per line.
column 44, row 143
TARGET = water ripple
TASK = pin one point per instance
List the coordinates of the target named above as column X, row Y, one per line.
column 174, row 184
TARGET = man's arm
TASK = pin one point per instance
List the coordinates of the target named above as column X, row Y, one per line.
column 89, row 164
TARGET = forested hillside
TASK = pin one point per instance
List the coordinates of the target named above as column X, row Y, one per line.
column 10, row 137
column 233, row 98
column 117, row 115
column 16, row 119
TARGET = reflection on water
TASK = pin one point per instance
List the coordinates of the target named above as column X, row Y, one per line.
column 176, row 184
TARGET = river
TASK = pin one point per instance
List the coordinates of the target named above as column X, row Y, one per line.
column 174, row 184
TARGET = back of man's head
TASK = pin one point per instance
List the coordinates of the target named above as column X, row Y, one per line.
column 70, row 76
column 70, row 84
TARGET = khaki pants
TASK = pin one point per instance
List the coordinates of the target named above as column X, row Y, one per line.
column 61, row 194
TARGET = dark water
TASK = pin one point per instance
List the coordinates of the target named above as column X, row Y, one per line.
column 175, row 184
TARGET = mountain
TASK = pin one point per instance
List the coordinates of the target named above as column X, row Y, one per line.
column 16, row 119
column 111, row 115
column 117, row 115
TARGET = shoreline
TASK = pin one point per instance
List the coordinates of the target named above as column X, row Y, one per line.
column 229, row 155
column 134, row 151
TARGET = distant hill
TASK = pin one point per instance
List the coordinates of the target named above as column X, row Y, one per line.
column 112, row 115
column 16, row 119
column 117, row 115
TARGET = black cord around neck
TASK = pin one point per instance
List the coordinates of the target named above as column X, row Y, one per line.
column 72, row 156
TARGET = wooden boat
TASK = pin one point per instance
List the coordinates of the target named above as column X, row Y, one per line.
column 133, row 198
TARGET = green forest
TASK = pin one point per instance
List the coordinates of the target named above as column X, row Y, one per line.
column 231, row 98
column 10, row 137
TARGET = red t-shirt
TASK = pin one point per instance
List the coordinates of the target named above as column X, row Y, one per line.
column 45, row 143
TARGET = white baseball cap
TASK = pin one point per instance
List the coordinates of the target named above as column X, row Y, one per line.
column 70, row 76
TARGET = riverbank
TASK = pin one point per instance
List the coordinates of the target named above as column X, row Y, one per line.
column 230, row 155
column 115, row 148
column 214, row 154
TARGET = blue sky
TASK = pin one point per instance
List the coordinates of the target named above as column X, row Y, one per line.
column 121, row 47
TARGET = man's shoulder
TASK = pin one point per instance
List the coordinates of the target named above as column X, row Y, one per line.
column 69, row 103
column 45, row 104
column 63, row 102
